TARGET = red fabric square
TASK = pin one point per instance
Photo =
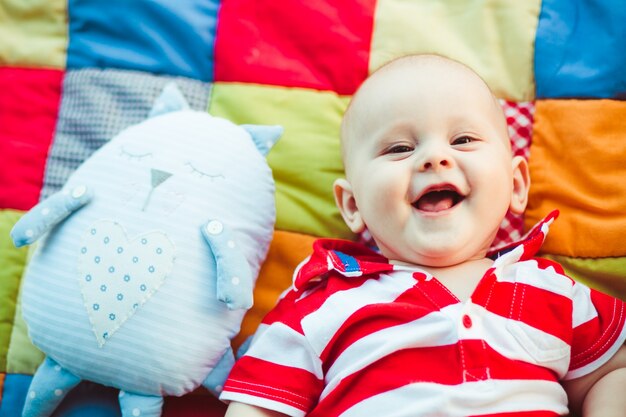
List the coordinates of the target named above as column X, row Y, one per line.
column 29, row 105
column 323, row 45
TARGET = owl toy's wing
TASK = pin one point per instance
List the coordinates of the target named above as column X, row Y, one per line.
column 234, row 278
column 45, row 215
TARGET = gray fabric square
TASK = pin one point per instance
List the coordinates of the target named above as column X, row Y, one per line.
column 96, row 104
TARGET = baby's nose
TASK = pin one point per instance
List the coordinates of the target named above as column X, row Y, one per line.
column 435, row 163
column 435, row 160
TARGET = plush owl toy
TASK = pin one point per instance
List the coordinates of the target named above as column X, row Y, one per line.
column 146, row 260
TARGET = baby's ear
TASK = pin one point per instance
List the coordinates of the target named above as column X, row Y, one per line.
column 521, row 184
column 344, row 198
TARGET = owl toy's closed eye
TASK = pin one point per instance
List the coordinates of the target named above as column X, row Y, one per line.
column 146, row 260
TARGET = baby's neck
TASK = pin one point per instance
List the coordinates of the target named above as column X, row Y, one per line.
column 461, row 279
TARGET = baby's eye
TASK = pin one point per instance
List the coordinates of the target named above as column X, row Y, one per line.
column 400, row 149
column 203, row 174
column 134, row 156
column 463, row 140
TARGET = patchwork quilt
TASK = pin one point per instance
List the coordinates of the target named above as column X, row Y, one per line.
column 73, row 74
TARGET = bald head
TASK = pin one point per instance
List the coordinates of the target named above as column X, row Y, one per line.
column 423, row 77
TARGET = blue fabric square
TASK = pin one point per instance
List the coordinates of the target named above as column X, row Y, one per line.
column 14, row 394
column 144, row 35
column 579, row 50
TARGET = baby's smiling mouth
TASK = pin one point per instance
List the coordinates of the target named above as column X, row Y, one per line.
column 437, row 199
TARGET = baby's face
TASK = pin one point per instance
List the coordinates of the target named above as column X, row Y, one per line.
column 429, row 162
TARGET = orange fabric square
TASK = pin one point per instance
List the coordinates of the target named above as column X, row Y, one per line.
column 577, row 166
column 286, row 251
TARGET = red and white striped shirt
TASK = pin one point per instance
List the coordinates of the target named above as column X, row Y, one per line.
column 357, row 336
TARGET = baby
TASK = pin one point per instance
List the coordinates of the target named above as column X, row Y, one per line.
column 432, row 324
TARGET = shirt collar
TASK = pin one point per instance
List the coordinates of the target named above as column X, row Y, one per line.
column 527, row 247
column 347, row 258
column 353, row 259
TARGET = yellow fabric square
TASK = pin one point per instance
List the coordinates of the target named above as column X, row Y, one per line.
column 604, row 274
column 577, row 166
column 306, row 160
column 495, row 38
column 33, row 33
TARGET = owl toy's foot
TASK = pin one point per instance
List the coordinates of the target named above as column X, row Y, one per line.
column 214, row 382
column 49, row 386
column 135, row 405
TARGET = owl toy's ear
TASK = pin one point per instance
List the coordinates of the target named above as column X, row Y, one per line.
column 264, row 137
column 170, row 100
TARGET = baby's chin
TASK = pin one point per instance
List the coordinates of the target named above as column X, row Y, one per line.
column 438, row 250
column 441, row 258
column 428, row 263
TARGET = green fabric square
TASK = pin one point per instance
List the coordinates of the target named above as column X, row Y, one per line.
column 12, row 263
column 603, row 274
column 306, row 160
column 22, row 356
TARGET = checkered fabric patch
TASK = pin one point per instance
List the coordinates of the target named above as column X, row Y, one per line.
column 98, row 104
column 519, row 118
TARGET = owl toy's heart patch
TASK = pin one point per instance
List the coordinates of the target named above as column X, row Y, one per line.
column 117, row 275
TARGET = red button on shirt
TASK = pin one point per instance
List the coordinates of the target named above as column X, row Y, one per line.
column 467, row 321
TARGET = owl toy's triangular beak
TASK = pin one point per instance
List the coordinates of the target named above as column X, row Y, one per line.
column 158, row 177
